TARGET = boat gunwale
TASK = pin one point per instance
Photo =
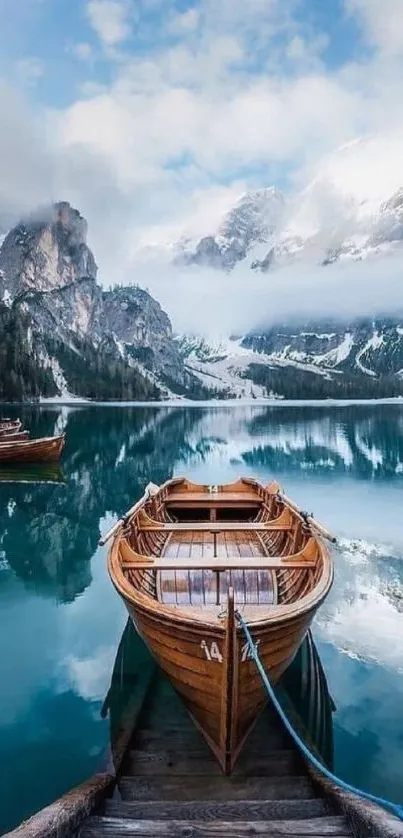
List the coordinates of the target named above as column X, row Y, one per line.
column 43, row 440
column 275, row 614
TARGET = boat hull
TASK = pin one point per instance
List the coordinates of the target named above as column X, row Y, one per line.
column 195, row 659
column 47, row 450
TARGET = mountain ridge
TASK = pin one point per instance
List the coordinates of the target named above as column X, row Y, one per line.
column 48, row 278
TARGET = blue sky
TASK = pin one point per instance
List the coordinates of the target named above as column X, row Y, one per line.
column 153, row 116
column 41, row 39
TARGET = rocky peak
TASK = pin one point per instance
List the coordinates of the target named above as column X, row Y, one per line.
column 142, row 330
column 45, row 252
column 251, row 222
column 254, row 218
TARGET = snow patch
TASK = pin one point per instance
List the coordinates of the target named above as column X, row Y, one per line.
column 337, row 355
column 373, row 343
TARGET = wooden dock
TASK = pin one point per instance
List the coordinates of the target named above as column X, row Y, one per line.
column 171, row 785
column 160, row 778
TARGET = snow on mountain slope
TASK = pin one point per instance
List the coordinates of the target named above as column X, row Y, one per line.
column 364, row 346
column 368, row 353
column 351, row 208
column 220, row 365
column 224, row 365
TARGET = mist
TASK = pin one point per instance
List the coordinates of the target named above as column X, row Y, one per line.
column 213, row 303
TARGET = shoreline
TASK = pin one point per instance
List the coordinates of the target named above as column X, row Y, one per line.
column 219, row 403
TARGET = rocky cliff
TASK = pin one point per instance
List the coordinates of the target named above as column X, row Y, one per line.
column 118, row 342
column 46, row 252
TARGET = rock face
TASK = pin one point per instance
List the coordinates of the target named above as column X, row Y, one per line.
column 251, row 223
column 48, row 274
column 142, row 331
column 47, row 252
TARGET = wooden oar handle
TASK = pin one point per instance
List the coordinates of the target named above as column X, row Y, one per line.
column 311, row 521
column 108, row 535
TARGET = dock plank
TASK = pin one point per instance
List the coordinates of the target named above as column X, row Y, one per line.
column 226, row 810
column 168, row 763
column 185, row 787
column 333, row 825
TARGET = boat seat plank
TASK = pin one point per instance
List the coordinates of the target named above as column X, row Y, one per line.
column 220, row 563
column 219, row 527
column 167, row 763
column 213, row 498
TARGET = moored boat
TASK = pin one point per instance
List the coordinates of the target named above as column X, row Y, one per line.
column 186, row 559
column 44, row 450
column 10, row 424
column 13, row 436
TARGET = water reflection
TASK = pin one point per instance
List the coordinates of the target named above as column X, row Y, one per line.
column 61, row 619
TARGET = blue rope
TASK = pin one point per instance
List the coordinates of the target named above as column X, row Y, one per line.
column 387, row 804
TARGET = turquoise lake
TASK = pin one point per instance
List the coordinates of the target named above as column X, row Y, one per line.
column 61, row 620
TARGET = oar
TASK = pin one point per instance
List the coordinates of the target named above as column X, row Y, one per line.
column 150, row 489
column 105, row 538
column 309, row 519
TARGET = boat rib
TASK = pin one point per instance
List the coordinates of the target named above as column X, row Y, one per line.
column 186, row 559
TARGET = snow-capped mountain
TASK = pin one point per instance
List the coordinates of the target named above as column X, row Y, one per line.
column 351, row 209
column 250, row 225
column 49, row 293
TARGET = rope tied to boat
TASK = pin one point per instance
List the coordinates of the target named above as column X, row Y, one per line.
column 394, row 808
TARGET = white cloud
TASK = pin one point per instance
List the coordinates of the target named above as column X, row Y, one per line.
column 210, row 302
column 382, row 21
column 25, row 169
column 109, row 19
column 239, row 97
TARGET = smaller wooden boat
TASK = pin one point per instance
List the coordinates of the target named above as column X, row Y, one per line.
column 13, row 436
column 45, row 450
column 10, row 424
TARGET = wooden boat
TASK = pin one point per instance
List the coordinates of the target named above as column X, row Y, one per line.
column 10, row 424
column 44, row 450
column 13, row 436
column 185, row 559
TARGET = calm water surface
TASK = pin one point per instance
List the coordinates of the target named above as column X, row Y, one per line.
column 61, row 621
